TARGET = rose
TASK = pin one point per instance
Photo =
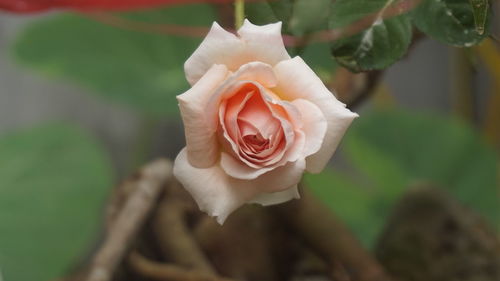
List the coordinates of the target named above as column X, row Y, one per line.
column 255, row 120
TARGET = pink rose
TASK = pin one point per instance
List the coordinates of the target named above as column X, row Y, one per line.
column 255, row 120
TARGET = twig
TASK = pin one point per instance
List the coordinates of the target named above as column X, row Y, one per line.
column 168, row 272
column 175, row 240
column 353, row 94
column 330, row 238
column 148, row 185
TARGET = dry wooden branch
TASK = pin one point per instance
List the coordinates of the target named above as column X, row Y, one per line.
column 175, row 240
column 330, row 238
column 168, row 272
column 354, row 88
column 147, row 186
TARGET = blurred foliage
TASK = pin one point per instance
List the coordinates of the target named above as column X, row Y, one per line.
column 140, row 69
column 390, row 150
column 377, row 47
column 449, row 21
column 480, row 10
column 384, row 35
column 302, row 16
column 53, row 183
column 381, row 44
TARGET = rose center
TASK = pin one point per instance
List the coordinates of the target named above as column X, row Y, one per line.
column 256, row 142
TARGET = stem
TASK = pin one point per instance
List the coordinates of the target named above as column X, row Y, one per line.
column 239, row 13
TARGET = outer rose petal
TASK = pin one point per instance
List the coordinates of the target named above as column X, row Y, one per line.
column 264, row 42
column 287, row 174
column 218, row 47
column 218, row 194
column 214, row 191
column 266, row 199
column 257, row 44
column 201, row 140
column 314, row 125
column 281, row 178
column 297, row 81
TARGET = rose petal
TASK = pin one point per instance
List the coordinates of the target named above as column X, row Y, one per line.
column 254, row 119
column 297, row 81
column 266, row 199
column 282, row 177
column 214, row 191
column 264, row 42
column 218, row 194
column 314, row 125
column 268, row 179
column 255, row 72
column 257, row 44
column 218, row 47
column 201, row 139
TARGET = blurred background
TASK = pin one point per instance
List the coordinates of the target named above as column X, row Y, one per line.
column 85, row 100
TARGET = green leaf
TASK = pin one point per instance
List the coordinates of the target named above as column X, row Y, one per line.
column 53, row 183
column 260, row 13
column 314, row 55
column 391, row 150
column 377, row 47
column 450, row 21
column 141, row 69
column 480, row 10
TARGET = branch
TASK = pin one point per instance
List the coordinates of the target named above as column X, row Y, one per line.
column 168, row 272
column 147, row 185
column 330, row 238
column 175, row 239
column 353, row 89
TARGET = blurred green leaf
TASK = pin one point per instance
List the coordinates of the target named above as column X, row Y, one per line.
column 346, row 12
column 449, row 21
column 314, row 55
column 393, row 149
column 53, row 183
column 302, row 16
column 260, row 13
column 381, row 44
column 143, row 70
column 347, row 199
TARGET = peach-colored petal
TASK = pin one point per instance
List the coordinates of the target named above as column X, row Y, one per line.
column 255, row 72
column 255, row 44
column 218, row 47
column 264, row 42
column 214, row 191
column 297, row 81
column 240, row 170
column 281, row 178
column 229, row 110
column 258, row 113
column 201, row 139
column 314, row 125
column 267, row 199
column 218, row 194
